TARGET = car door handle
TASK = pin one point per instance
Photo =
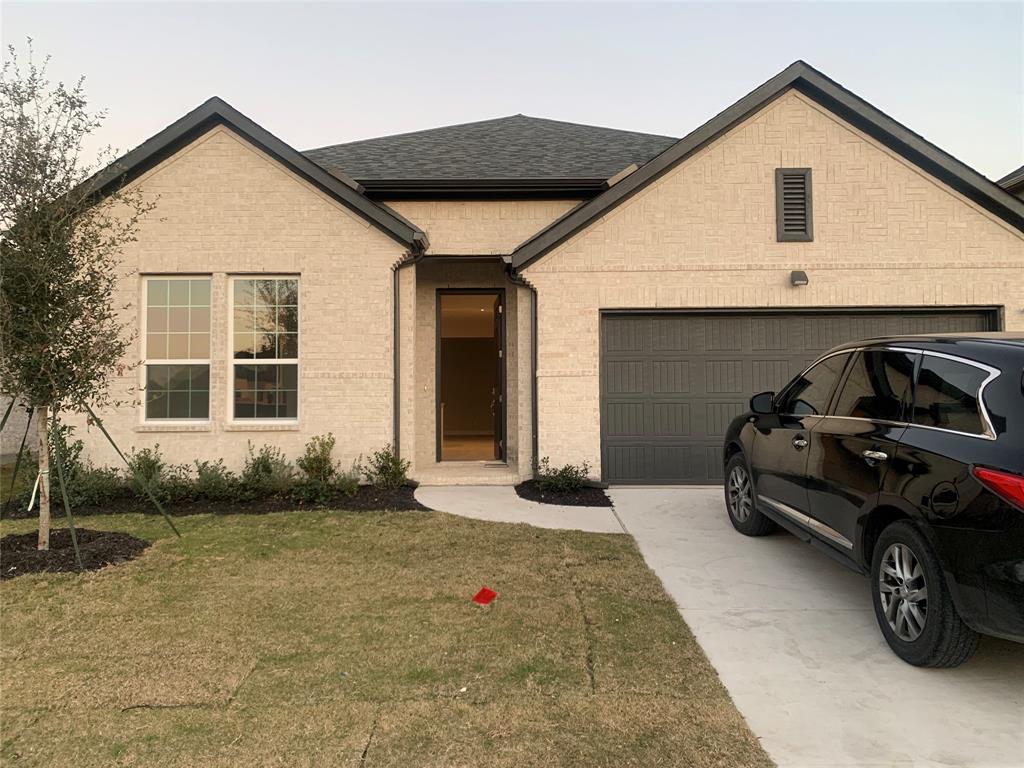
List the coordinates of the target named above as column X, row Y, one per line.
column 875, row 455
column 799, row 443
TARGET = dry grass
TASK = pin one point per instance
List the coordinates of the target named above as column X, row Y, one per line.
column 338, row 639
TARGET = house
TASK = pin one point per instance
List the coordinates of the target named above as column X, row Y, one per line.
column 483, row 294
column 1013, row 182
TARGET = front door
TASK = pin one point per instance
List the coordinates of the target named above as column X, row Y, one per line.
column 470, row 375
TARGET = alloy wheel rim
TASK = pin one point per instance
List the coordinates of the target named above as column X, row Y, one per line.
column 904, row 592
column 740, row 502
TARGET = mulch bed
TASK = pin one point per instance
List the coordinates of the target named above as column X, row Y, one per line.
column 18, row 553
column 587, row 496
column 366, row 499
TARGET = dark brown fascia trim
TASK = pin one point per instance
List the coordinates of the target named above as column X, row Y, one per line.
column 215, row 111
column 482, row 189
column 830, row 95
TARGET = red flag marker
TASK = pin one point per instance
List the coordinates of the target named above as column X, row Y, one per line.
column 484, row 596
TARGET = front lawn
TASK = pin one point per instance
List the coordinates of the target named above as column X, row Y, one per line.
column 341, row 639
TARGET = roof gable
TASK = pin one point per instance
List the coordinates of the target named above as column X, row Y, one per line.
column 216, row 111
column 515, row 147
column 826, row 92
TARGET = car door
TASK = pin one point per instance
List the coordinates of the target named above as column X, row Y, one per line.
column 781, row 438
column 852, row 448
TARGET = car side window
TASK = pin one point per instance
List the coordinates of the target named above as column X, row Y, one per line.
column 947, row 395
column 877, row 385
column 809, row 393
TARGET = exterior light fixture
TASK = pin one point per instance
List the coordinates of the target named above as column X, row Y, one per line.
column 797, row 278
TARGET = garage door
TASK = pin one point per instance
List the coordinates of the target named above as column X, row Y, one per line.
column 672, row 382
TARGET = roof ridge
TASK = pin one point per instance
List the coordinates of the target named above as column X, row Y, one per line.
column 600, row 127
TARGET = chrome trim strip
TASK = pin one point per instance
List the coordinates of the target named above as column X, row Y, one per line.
column 808, row 522
column 993, row 374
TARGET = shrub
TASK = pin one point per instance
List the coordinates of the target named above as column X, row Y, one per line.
column 564, row 479
column 385, row 469
column 214, row 482
column 145, row 466
column 316, row 463
column 96, row 487
column 70, row 451
column 266, row 472
column 347, row 482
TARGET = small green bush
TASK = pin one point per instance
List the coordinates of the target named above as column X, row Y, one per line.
column 317, row 463
column 214, row 482
column 385, row 469
column 266, row 473
column 145, row 466
column 564, row 479
column 96, row 487
column 347, row 482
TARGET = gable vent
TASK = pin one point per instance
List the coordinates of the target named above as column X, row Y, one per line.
column 793, row 204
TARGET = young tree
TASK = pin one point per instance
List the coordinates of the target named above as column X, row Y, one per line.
column 60, row 336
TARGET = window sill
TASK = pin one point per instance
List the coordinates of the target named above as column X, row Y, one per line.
column 172, row 427
column 262, row 426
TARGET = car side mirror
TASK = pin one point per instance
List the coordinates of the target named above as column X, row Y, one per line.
column 762, row 403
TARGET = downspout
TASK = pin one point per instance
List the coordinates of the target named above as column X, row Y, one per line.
column 535, row 441
column 396, row 325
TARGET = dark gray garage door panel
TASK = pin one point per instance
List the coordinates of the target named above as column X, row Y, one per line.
column 671, row 383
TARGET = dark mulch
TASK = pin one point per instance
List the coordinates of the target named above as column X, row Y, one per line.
column 18, row 553
column 587, row 496
column 366, row 499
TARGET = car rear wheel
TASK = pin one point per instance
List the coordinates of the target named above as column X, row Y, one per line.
column 739, row 499
column 912, row 603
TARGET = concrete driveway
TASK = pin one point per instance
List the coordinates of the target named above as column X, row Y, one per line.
column 794, row 638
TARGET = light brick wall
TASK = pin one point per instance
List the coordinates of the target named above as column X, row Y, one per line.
column 480, row 227
column 224, row 208
column 703, row 235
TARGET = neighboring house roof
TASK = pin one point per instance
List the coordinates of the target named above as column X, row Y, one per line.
column 216, row 111
column 505, row 153
column 830, row 95
column 1013, row 182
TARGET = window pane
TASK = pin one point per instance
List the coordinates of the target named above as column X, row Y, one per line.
column 243, row 293
column 265, row 293
column 178, row 407
column 156, row 293
column 245, row 345
column 288, row 345
column 177, row 346
column 156, row 377
column 156, row 346
column 199, row 404
column 263, row 319
column 287, row 404
column 156, row 405
column 177, row 319
column 288, row 319
column 199, row 346
column 877, row 386
column 199, row 320
column 156, row 319
column 199, row 377
column 200, row 293
column 288, row 376
column 288, row 292
column 177, row 295
column 809, row 394
column 947, row 395
column 265, row 345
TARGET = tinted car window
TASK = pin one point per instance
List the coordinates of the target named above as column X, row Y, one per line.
column 877, row 385
column 808, row 395
column 946, row 395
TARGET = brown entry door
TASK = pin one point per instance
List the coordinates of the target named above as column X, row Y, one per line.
column 470, row 368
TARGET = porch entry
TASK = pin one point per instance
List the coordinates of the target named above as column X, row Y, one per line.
column 470, row 375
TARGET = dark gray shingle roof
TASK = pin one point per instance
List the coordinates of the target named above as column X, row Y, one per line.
column 1013, row 182
column 516, row 147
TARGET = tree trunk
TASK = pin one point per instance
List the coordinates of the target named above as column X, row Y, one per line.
column 42, row 427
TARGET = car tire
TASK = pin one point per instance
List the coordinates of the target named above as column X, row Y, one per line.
column 925, row 631
column 740, row 501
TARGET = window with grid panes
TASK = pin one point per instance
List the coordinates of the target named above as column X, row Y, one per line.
column 265, row 331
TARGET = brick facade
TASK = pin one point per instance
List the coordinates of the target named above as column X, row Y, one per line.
column 703, row 235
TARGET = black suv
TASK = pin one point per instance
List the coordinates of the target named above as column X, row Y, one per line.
column 903, row 458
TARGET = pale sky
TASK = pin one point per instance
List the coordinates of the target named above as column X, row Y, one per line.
column 324, row 73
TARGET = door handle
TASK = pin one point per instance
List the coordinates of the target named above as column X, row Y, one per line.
column 874, row 455
column 799, row 443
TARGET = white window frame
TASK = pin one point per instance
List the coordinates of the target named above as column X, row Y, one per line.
column 233, row 361
column 148, row 361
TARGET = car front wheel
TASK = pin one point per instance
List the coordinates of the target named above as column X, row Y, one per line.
column 912, row 603
column 739, row 499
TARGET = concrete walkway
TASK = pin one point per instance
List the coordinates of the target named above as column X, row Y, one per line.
column 793, row 637
column 501, row 504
